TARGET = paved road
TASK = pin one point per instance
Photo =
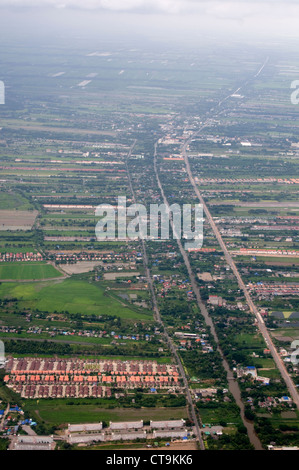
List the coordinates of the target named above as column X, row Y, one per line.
column 158, row 318
column 260, row 322
column 4, row 416
column 233, row 385
column 29, row 430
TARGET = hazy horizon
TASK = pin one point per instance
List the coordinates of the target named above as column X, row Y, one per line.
column 184, row 22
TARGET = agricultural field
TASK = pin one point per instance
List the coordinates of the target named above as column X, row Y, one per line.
column 213, row 415
column 69, row 296
column 17, row 219
column 28, row 271
column 59, row 411
column 11, row 200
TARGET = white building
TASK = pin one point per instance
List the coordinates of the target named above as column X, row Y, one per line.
column 168, row 433
column 34, row 443
column 85, row 427
column 167, row 424
column 82, row 438
column 127, row 436
column 126, row 425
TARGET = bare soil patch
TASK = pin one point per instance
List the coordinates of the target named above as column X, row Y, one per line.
column 79, row 267
column 17, row 220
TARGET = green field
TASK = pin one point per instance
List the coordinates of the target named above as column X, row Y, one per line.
column 292, row 333
column 225, row 412
column 69, row 295
column 279, row 260
column 13, row 201
column 269, row 260
column 250, row 341
column 56, row 412
column 24, row 271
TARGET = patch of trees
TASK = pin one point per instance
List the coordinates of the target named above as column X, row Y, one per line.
column 268, row 434
column 205, row 366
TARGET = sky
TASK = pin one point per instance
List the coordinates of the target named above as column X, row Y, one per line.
column 172, row 19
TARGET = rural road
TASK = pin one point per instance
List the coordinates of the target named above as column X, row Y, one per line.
column 158, row 318
column 260, row 322
column 233, row 384
column 4, row 416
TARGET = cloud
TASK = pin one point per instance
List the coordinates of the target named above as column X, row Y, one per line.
column 219, row 8
column 255, row 16
column 169, row 6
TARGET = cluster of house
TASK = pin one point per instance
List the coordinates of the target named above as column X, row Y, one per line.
column 271, row 402
column 263, row 252
column 207, row 394
column 58, row 391
column 170, row 282
column 52, row 332
column 269, row 289
column 274, row 226
column 29, row 256
column 187, row 340
column 71, row 257
column 248, row 180
column 9, row 418
column 74, row 257
column 251, row 370
column 41, row 378
column 232, row 232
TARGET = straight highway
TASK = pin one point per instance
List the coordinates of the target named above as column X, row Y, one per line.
column 259, row 320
